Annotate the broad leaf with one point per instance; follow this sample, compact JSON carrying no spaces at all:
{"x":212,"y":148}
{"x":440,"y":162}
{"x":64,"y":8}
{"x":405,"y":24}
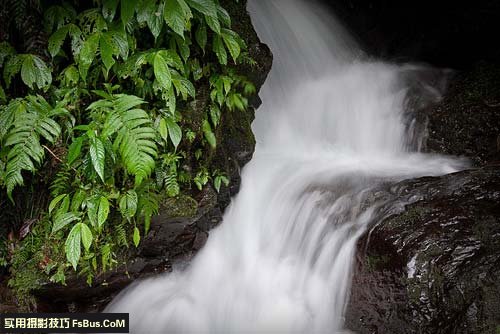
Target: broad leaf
{"x":137,"y":236}
{"x":35,"y":71}
{"x":174,"y":131}
{"x":88,"y":53}
{"x":56,"y":201}
{"x":213,"y":23}
{"x":97,"y":156}
{"x":127,"y":10}
{"x":162,"y":72}
{"x":75,"y":149}
{"x":207,"y":7}
{"x":128,"y":204}
{"x":86,"y":235}
{"x":215,"y":114}
{"x":231,"y":42}
{"x":73,"y":245}
{"x":109,"y":9}
{"x":176,"y":14}
{"x":62,"y":220}
{"x":103,"y":212}
{"x":163,"y":130}
{"x":201,"y":36}
{"x":56,"y":40}
{"x":220,"y":51}
{"x":209,"y":135}
{"x":107,"y":49}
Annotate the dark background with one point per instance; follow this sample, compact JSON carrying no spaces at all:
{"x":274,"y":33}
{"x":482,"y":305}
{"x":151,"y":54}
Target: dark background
{"x":451,"y":34}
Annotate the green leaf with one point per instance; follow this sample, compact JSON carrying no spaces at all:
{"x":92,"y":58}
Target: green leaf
{"x":176,"y":14}
{"x":220,"y":51}
{"x":215,"y":114}
{"x":92,"y":204}
{"x":109,"y":9}
{"x":201,"y":36}
{"x":56,"y":40}
{"x":224,"y":16}
{"x":78,"y":197}
{"x":231,"y":42}
{"x":75,"y":149}
{"x":108,"y":49}
{"x":73,"y":245}
{"x":120,"y":43}
{"x":128,"y":204}
{"x":213,"y":23}
{"x":174,"y":131}
{"x":183,"y":46}
{"x":219,"y":180}
{"x":163,"y":130}
{"x":209,"y":135}
{"x":88,"y":53}
{"x":206,"y":7}
{"x":12,"y":67}
{"x":137,"y":236}
{"x":55,"y":201}
{"x":86,"y":236}
{"x":217,"y":183}
{"x":184,"y":86}
{"x":161,"y":71}
{"x":127,"y":10}
{"x":103,"y":212}
{"x":62,"y":220}
{"x":155,"y":21}
{"x":97,"y":156}
{"x":35,"y":71}
{"x":71,"y":75}
{"x":135,"y":134}
{"x":6,"y":51}
{"x":3,"y":97}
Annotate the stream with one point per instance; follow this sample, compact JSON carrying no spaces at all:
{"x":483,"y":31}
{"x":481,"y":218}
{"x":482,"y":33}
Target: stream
{"x":334,"y":124}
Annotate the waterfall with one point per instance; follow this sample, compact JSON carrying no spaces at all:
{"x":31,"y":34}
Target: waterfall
{"x":333,"y":125}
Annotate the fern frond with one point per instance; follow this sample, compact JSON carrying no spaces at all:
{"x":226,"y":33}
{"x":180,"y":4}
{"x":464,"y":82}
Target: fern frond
{"x":31,"y":122}
{"x":121,"y":235}
{"x":135,"y":135}
{"x":62,"y":182}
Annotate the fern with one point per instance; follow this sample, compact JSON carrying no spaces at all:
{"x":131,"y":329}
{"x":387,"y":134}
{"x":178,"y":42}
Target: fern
{"x":62,"y":182}
{"x":133,"y":131}
{"x":34,"y":119}
{"x":121,"y":234}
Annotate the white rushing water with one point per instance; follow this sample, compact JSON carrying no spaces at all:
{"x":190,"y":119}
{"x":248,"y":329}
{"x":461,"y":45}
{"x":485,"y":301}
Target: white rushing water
{"x":332,"y":126}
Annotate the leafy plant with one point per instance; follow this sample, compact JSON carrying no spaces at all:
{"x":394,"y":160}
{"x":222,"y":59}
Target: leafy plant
{"x":100,"y":115}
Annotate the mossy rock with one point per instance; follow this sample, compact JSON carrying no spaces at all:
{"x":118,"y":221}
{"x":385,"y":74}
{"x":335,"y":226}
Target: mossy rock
{"x":182,"y":206}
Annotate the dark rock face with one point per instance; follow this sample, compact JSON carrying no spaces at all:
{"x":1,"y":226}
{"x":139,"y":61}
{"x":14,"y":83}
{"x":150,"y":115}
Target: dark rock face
{"x":467,"y":120}
{"x":183,"y":224}
{"x":432,"y":265}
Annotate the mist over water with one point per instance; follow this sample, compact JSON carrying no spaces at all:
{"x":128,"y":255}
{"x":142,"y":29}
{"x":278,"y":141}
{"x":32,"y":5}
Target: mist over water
{"x":333,"y":125}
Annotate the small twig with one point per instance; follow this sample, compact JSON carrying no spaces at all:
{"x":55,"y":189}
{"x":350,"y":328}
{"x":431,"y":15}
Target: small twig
{"x":56,"y":157}
{"x":52,"y":154}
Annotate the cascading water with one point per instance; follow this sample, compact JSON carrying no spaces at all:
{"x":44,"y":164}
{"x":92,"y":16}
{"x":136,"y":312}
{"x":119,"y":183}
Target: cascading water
{"x":331,"y":128}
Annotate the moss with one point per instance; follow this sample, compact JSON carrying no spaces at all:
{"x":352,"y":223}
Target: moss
{"x":412,"y":214}
{"x":377,"y":262}
{"x":182,"y":206}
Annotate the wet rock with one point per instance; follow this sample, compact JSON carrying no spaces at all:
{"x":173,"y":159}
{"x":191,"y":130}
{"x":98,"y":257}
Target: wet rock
{"x":431,"y":263}
{"x":467,"y":121}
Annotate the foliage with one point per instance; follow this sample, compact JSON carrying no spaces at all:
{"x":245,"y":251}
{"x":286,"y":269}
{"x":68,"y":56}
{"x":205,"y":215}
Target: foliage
{"x":100,"y":115}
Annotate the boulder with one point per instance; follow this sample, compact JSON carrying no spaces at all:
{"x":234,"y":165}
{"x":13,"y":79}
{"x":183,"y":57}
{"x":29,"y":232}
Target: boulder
{"x":431,"y":263}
